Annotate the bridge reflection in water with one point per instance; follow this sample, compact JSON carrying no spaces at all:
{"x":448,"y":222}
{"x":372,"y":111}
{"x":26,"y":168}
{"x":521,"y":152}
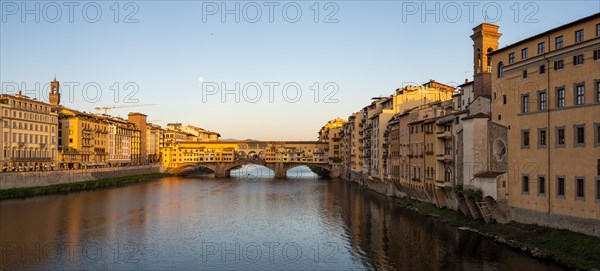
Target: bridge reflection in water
{"x":222,"y":157}
{"x":256,"y":172}
{"x":169,"y":224}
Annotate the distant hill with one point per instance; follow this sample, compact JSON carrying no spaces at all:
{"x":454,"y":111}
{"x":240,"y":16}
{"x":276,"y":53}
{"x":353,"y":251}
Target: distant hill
{"x":233,"y":139}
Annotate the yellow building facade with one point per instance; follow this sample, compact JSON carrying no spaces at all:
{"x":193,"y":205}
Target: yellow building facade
{"x":178,"y":154}
{"x":546,"y":90}
{"x":82,"y":139}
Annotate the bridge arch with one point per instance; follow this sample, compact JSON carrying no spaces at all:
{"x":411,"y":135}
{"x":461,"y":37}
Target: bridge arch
{"x":325,"y":170}
{"x":223,"y":169}
{"x":187,"y":168}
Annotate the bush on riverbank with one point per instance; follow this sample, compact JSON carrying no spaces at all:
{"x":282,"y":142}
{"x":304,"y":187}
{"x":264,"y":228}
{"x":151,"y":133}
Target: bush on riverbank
{"x":77,"y":186}
{"x":574,"y":250}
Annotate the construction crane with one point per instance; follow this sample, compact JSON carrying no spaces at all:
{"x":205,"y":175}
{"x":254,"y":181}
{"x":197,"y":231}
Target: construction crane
{"x":106,"y":108}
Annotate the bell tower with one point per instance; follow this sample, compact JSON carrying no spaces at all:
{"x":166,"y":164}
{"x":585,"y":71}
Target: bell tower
{"x":485,"y":40}
{"x":54,"y":92}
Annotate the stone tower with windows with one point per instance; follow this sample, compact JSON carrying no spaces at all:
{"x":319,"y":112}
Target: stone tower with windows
{"x":54,"y":92}
{"x":485,"y":40}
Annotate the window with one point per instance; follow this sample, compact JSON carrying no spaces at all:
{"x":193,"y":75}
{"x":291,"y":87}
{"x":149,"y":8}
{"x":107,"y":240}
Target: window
{"x":578,"y":59}
{"x":525,"y":138}
{"x":597,"y":189}
{"x":542,"y":69}
{"x":541,"y":185}
{"x":598,"y":91}
{"x":597,"y":54}
{"x":542,"y":100}
{"x":560,"y":186}
{"x":579,"y":94}
{"x":524,"y":53}
{"x":558,"y":42}
{"x":579,"y":35}
{"x":525,"y":103}
{"x":597,"y":140}
{"x":541,"y":48}
{"x":598,"y":30}
{"x":542,"y":137}
{"x":525,"y":74}
{"x":559,"y":65}
{"x":511,"y":58}
{"x":504,"y":98}
{"x":579,"y":187}
{"x":525,"y":184}
{"x":579,"y":135}
{"x":560,"y":136}
{"x":560,"y":97}
{"x":500,"y":70}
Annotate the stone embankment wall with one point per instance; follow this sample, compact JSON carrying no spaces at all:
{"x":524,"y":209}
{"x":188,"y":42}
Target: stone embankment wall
{"x":35,"y":179}
{"x":576,"y":224}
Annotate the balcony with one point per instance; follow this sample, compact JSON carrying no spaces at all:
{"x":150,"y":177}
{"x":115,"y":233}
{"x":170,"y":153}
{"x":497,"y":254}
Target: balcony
{"x":444,"y":134}
{"x":443,"y":184}
{"x":444,"y":157}
{"x":25,"y":159}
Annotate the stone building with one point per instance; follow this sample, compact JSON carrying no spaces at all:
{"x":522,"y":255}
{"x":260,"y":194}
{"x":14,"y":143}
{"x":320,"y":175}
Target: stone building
{"x":195,"y":133}
{"x":154,"y":134}
{"x":28,"y":129}
{"x":547,"y":93}
{"x":332,"y":133}
{"x":121,"y":135}
{"x":171,"y":136}
{"x":139,"y":121}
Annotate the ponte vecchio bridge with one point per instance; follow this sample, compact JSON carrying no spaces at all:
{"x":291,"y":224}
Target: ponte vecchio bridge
{"x":223,"y":156}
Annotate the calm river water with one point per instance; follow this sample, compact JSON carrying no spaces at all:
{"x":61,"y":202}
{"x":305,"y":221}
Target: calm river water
{"x":239,"y":223}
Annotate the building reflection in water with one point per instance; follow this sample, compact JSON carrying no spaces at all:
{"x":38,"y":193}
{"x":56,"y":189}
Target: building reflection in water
{"x":166,"y":223}
{"x":386,"y":236}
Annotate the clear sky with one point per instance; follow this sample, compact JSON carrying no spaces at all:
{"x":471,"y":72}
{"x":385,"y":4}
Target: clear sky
{"x":182,"y":56}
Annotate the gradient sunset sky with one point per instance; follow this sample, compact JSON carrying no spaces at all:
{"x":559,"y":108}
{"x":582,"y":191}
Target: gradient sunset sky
{"x":173,"y":55}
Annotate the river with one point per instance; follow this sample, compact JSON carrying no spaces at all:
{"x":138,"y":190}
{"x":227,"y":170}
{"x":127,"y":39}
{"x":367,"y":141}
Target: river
{"x":245,"y":222}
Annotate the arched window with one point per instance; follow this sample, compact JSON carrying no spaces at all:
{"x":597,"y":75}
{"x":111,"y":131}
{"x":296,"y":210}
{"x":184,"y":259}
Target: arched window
{"x":489,"y":58}
{"x":478,"y":57}
{"x":500,"y":69}
{"x":499,"y":149}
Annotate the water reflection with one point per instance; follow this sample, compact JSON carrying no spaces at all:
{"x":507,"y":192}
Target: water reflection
{"x":191,"y":223}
